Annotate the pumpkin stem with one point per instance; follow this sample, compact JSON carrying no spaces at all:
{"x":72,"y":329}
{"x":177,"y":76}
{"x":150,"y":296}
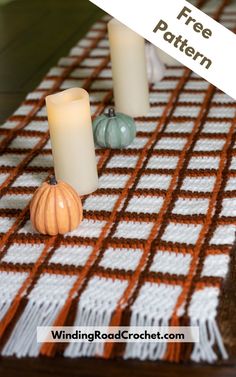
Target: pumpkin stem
{"x":111,"y":112}
{"x":52,"y":181}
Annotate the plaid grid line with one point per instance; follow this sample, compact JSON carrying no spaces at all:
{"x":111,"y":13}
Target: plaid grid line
{"x":154,"y":244}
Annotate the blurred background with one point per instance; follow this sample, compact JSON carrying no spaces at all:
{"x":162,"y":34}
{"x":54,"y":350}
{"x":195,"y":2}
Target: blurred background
{"x":34,"y":34}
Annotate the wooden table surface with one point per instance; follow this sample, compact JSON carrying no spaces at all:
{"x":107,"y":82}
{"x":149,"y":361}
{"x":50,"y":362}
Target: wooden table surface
{"x":34,"y":34}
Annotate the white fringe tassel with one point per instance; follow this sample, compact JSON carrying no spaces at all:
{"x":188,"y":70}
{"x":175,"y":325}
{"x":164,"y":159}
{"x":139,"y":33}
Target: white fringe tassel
{"x":23,"y":340}
{"x":210,"y":337}
{"x":89,"y":317}
{"x":146,"y":351}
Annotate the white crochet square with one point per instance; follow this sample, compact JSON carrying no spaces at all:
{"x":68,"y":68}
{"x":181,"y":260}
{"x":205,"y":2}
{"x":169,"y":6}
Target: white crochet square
{"x":71,"y":255}
{"x":23,"y":253}
{"x":224,"y":235}
{"x":3,"y":177}
{"x":169,"y":143}
{"x":144,"y":126}
{"x":21,"y":142}
{"x":229,"y":207}
{"x":81,"y":72}
{"x":204,"y":303}
{"x":166,"y":85}
{"x":66,"y":61}
{"x":204,"y":163}
{"x":198,"y":184}
{"x":106,"y":72}
{"x":88,"y":62}
{"x":99,"y":52}
{"x":100,"y":203}
{"x":191,"y":206}
{"x":42,"y":160}
{"x":156,"y":301}
{"x":23,"y":110}
{"x":216,"y":265}
{"x":145,"y":204}
{"x":42,"y":112}
{"x":216,"y":127}
{"x":10,"y":283}
{"x":102,"y":84}
{"x":222,"y":112}
{"x":6,"y":223}
{"x":93,"y":34}
{"x":77,"y":51}
{"x":11,"y":159}
{"x":97,"y":96}
{"x":102,"y":295}
{"x":56,"y":71}
{"x":138,"y":143}
{"x":154,"y":181}
{"x":15,"y":201}
{"x":88,"y":228}
{"x":191,"y":97}
{"x":180,"y":127}
{"x":9,"y":124}
{"x":52,"y":288}
{"x":122,"y":259}
{"x":122,"y":162}
{"x":222,"y":97}
{"x":171,"y":263}
{"x":85,"y":43}
{"x":209,"y":145}
{"x":231,"y":184}
{"x":104,"y":44}
{"x":233,"y":164}
{"x":185,"y":111}
{"x":156,"y":111}
{"x":182,"y":233}
{"x":37,"y":125}
{"x":70,"y":83}
{"x":30,"y":179}
{"x":160,"y":97}
{"x":113,"y":180}
{"x":196,"y":85}
{"x":46,"y":84}
{"x":131,"y":229}
{"x":163,"y":162}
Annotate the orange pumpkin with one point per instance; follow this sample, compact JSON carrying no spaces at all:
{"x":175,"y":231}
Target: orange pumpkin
{"x":55,"y":208}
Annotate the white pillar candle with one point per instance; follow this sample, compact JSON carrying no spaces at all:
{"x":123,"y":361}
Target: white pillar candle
{"x":155,"y":67}
{"x":166,"y":58}
{"x":72,"y":142}
{"x":129,"y":70}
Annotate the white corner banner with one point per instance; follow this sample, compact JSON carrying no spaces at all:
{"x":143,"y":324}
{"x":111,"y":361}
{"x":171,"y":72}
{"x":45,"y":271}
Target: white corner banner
{"x":185,"y":33}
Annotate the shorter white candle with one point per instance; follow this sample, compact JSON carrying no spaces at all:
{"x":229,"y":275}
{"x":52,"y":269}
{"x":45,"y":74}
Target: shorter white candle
{"x":166,"y":58}
{"x":155,"y":67}
{"x":129,"y":70}
{"x":72,"y":142}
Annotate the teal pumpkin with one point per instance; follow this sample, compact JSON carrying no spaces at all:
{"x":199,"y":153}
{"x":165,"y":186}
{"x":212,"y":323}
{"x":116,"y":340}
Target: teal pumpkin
{"x":114,"y":130}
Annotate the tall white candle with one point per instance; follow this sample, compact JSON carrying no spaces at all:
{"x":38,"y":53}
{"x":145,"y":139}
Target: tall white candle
{"x":129,"y":70}
{"x":72,"y":142}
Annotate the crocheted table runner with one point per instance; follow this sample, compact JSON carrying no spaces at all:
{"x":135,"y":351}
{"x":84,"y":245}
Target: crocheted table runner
{"x":154,"y":246}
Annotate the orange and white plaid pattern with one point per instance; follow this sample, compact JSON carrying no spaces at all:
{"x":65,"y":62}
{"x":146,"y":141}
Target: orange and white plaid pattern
{"x":154,"y":245}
